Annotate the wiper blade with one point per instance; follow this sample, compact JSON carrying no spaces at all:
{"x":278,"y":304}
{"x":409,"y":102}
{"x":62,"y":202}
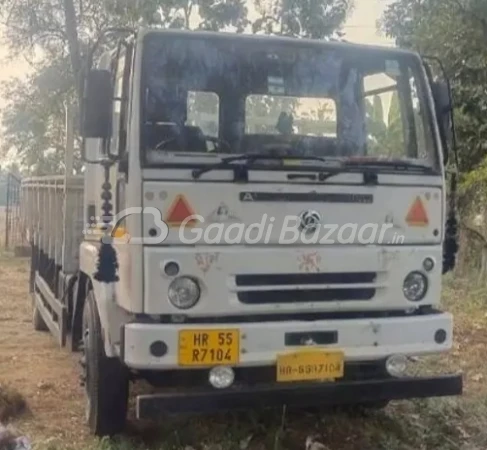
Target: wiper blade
{"x":249,"y":159}
{"x":395,"y":165}
{"x":324,"y":172}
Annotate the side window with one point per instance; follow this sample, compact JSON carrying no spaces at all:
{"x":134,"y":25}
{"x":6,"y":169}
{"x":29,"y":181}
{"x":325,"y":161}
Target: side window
{"x":203,"y":111}
{"x":420,"y":119}
{"x":396,"y":125}
{"x":383,"y":118}
{"x":121,"y":75}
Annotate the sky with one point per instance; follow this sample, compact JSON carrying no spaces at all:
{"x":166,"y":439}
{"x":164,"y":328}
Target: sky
{"x":361,"y":26}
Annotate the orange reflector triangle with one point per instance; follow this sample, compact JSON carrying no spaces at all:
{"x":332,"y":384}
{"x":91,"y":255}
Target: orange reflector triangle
{"x":417,"y":216}
{"x":179,"y":211}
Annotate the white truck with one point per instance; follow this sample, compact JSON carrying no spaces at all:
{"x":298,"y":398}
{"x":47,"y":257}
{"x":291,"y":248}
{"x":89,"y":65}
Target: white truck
{"x":300,"y":264}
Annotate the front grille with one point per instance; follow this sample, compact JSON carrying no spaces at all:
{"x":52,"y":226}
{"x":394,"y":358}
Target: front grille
{"x":299,"y":296}
{"x":353,"y":287}
{"x":305,"y":278}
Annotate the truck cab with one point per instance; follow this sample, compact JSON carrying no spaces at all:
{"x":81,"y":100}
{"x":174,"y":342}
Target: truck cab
{"x":264,"y":225}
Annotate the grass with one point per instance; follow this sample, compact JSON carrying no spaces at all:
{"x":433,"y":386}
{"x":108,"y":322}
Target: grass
{"x":429,"y":424}
{"x":433,"y":424}
{"x":439,"y":424}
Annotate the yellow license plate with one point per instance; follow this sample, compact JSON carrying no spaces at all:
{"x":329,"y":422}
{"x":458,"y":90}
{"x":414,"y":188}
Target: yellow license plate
{"x":209,"y":347}
{"x":309,"y":365}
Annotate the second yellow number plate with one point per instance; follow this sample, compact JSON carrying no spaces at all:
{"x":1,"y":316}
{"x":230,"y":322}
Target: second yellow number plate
{"x":209,"y":347}
{"x":310,"y":365}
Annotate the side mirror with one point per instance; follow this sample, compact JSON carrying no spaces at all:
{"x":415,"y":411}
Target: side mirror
{"x":444,"y":114}
{"x":442,"y":95}
{"x":97,"y":105}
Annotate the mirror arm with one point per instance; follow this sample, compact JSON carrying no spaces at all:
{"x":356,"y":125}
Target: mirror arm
{"x":105,"y":33}
{"x":123,"y":164}
{"x":102,"y":161}
{"x":108,"y":159}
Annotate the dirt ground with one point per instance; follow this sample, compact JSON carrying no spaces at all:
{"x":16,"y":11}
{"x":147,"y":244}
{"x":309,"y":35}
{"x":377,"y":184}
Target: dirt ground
{"x":47,"y":378}
{"x":33,"y":364}
{"x":2,"y":225}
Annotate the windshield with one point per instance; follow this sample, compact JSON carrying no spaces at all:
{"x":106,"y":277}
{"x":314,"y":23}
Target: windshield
{"x":237,"y":95}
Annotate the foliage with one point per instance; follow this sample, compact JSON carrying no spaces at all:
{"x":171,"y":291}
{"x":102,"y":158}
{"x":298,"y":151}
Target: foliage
{"x":34,"y":119}
{"x":34,"y":123}
{"x":384,"y":138}
{"x":456,"y":32}
{"x":56,"y":35}
{"x":308,"y":18}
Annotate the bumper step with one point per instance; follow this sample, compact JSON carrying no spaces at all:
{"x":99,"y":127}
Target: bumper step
{"x":300,"y":395}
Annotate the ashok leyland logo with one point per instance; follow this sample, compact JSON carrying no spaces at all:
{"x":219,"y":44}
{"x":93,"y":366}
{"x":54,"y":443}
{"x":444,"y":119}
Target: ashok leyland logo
{"x":309,"y":221}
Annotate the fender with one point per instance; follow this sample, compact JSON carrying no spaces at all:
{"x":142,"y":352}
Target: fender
{"x":112,"y":317}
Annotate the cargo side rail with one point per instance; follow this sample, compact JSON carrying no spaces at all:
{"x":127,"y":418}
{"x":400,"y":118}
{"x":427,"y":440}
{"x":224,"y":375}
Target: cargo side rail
{"x":52,"y":214}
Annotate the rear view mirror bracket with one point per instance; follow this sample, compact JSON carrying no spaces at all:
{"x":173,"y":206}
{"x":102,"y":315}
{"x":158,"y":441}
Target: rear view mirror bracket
{"x":97,"y":101}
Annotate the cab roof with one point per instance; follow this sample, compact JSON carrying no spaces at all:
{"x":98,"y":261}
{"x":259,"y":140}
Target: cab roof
{"x":341,"y":46}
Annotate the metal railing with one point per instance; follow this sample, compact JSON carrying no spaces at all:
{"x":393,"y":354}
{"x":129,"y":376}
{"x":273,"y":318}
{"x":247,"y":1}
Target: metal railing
{"x":52,"y":211}
{"x":14,"y":232}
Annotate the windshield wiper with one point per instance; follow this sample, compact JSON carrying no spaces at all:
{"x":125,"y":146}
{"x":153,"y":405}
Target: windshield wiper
{"x":394,"y":165}
{"x":248,"y":159}
{"x":324,"y":172}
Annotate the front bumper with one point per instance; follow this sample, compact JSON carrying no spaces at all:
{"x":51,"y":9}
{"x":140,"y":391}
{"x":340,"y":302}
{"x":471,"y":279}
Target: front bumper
{"x":300,"y":395}
{"x":260,"y":342}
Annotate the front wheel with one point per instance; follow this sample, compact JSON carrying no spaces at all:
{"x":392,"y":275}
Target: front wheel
{"x":106,"y":379}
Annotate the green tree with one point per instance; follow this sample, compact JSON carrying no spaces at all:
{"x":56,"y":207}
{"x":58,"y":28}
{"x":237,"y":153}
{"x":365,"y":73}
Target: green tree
{"x":301,"y":18}
{"x":456,"y":32}
{"x":56,"y":37}
{"x":385,"y":139}
{"x":34,"y":120}
{"x":394,"y":141}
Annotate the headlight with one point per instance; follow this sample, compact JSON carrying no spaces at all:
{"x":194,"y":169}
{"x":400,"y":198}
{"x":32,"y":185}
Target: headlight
{"x":415,"y":286}
{"x":184,"y":292}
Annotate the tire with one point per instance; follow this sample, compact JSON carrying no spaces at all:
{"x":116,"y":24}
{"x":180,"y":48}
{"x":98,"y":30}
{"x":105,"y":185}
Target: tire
{"x":106,"y":379}
{"x":37,"y":320}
